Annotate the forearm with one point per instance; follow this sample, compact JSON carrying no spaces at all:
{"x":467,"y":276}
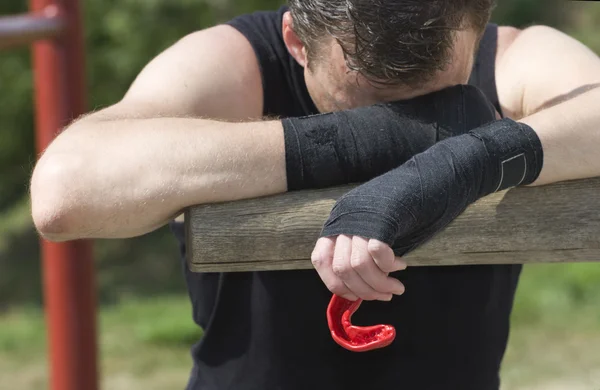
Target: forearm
{"x":126,"y":177}
{"x":570,"y":135}
{"x":134,"y":174}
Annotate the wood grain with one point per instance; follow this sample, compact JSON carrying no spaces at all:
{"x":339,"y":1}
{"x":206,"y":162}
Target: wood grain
{"x":553,"y":223}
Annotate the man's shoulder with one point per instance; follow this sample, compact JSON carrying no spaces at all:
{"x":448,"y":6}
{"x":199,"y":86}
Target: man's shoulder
{"x":534,"y":36}
{"x":539,"y":63}
{"x":506,"y":36}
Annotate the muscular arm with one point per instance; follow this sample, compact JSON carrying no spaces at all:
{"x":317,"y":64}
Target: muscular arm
{"x":128,"y":169}
{"x":552,"y":83}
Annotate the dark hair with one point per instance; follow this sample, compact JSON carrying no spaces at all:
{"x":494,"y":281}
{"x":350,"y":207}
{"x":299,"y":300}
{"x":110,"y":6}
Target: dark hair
{"x":389,"y":41}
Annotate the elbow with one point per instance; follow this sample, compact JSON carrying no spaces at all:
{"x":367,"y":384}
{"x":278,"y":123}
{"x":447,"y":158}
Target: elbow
{"x":54,"y":199}
{"x":52,"y":227}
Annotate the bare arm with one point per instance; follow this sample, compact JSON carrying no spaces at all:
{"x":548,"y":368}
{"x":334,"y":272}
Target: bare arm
{"x":128,"y":169}
{"x":552,"y":83}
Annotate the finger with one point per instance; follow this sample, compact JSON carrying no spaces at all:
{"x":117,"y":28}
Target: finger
{"x":322,"y":258}
{"x":343,"y":269}
{"x":384,"y":257}
{"x":399,"y":264}
{"x":370,"y":273}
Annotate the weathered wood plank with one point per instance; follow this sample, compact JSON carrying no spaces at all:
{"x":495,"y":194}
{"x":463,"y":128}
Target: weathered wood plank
{"x":554,"y":223}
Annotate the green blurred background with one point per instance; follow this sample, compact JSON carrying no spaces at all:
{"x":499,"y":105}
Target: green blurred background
{"x":145,"y":318}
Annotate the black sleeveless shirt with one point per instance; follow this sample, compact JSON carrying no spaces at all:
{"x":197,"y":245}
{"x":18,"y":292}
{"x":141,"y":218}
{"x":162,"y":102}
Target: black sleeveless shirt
{"x":268,"y":331}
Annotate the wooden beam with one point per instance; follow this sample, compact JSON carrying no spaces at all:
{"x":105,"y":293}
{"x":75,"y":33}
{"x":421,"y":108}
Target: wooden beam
{"x":553,"y":223}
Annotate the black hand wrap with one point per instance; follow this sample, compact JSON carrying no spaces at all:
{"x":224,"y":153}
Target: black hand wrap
{"x":411,"y":203}
{"x":357,"y":145}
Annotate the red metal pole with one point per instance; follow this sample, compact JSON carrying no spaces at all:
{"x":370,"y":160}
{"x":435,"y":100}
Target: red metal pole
{"x":69,"y":288}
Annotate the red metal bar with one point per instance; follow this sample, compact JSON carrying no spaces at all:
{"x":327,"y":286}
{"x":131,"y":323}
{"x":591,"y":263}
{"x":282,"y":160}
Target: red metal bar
{"x":69,"y":287}
{"x":25,"y":29}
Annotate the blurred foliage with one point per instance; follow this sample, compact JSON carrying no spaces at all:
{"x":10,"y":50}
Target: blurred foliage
{"x":121,"y":37}
{"x":523,"y":13}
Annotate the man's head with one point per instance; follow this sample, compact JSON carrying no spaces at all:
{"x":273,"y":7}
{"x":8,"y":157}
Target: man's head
{"x":358,"y":52}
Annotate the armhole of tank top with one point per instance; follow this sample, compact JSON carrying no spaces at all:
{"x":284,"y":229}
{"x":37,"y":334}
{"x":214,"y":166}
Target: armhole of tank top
{"x":485,"y":65}
{"x":260,"y":29}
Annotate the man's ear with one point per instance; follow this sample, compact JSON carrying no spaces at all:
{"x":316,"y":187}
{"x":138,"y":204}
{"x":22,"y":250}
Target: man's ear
{"x":292,"y":42}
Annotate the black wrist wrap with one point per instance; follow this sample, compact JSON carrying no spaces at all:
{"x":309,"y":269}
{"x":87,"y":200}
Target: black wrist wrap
{"x":408,"y":205}
{"x":357,"y":145}
{"x":515,"y":154}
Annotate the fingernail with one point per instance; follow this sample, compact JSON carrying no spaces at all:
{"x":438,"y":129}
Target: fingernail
{"x":400,"y":264}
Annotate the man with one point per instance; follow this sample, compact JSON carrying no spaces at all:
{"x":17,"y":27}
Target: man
{"x":139,"y":162}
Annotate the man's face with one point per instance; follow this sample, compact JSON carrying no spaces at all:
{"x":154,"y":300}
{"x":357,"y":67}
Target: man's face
{"x":334,"y":87}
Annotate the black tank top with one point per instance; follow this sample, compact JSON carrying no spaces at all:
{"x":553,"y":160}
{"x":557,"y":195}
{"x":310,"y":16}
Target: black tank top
{"x":268,"y":331}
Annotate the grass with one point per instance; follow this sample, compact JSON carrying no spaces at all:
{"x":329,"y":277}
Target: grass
{"x":557,"y":294}
{"x":144,"y":343}
{"x":555,"y":337}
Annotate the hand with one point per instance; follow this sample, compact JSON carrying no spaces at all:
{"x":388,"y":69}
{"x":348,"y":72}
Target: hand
{"x":354,"y":267}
